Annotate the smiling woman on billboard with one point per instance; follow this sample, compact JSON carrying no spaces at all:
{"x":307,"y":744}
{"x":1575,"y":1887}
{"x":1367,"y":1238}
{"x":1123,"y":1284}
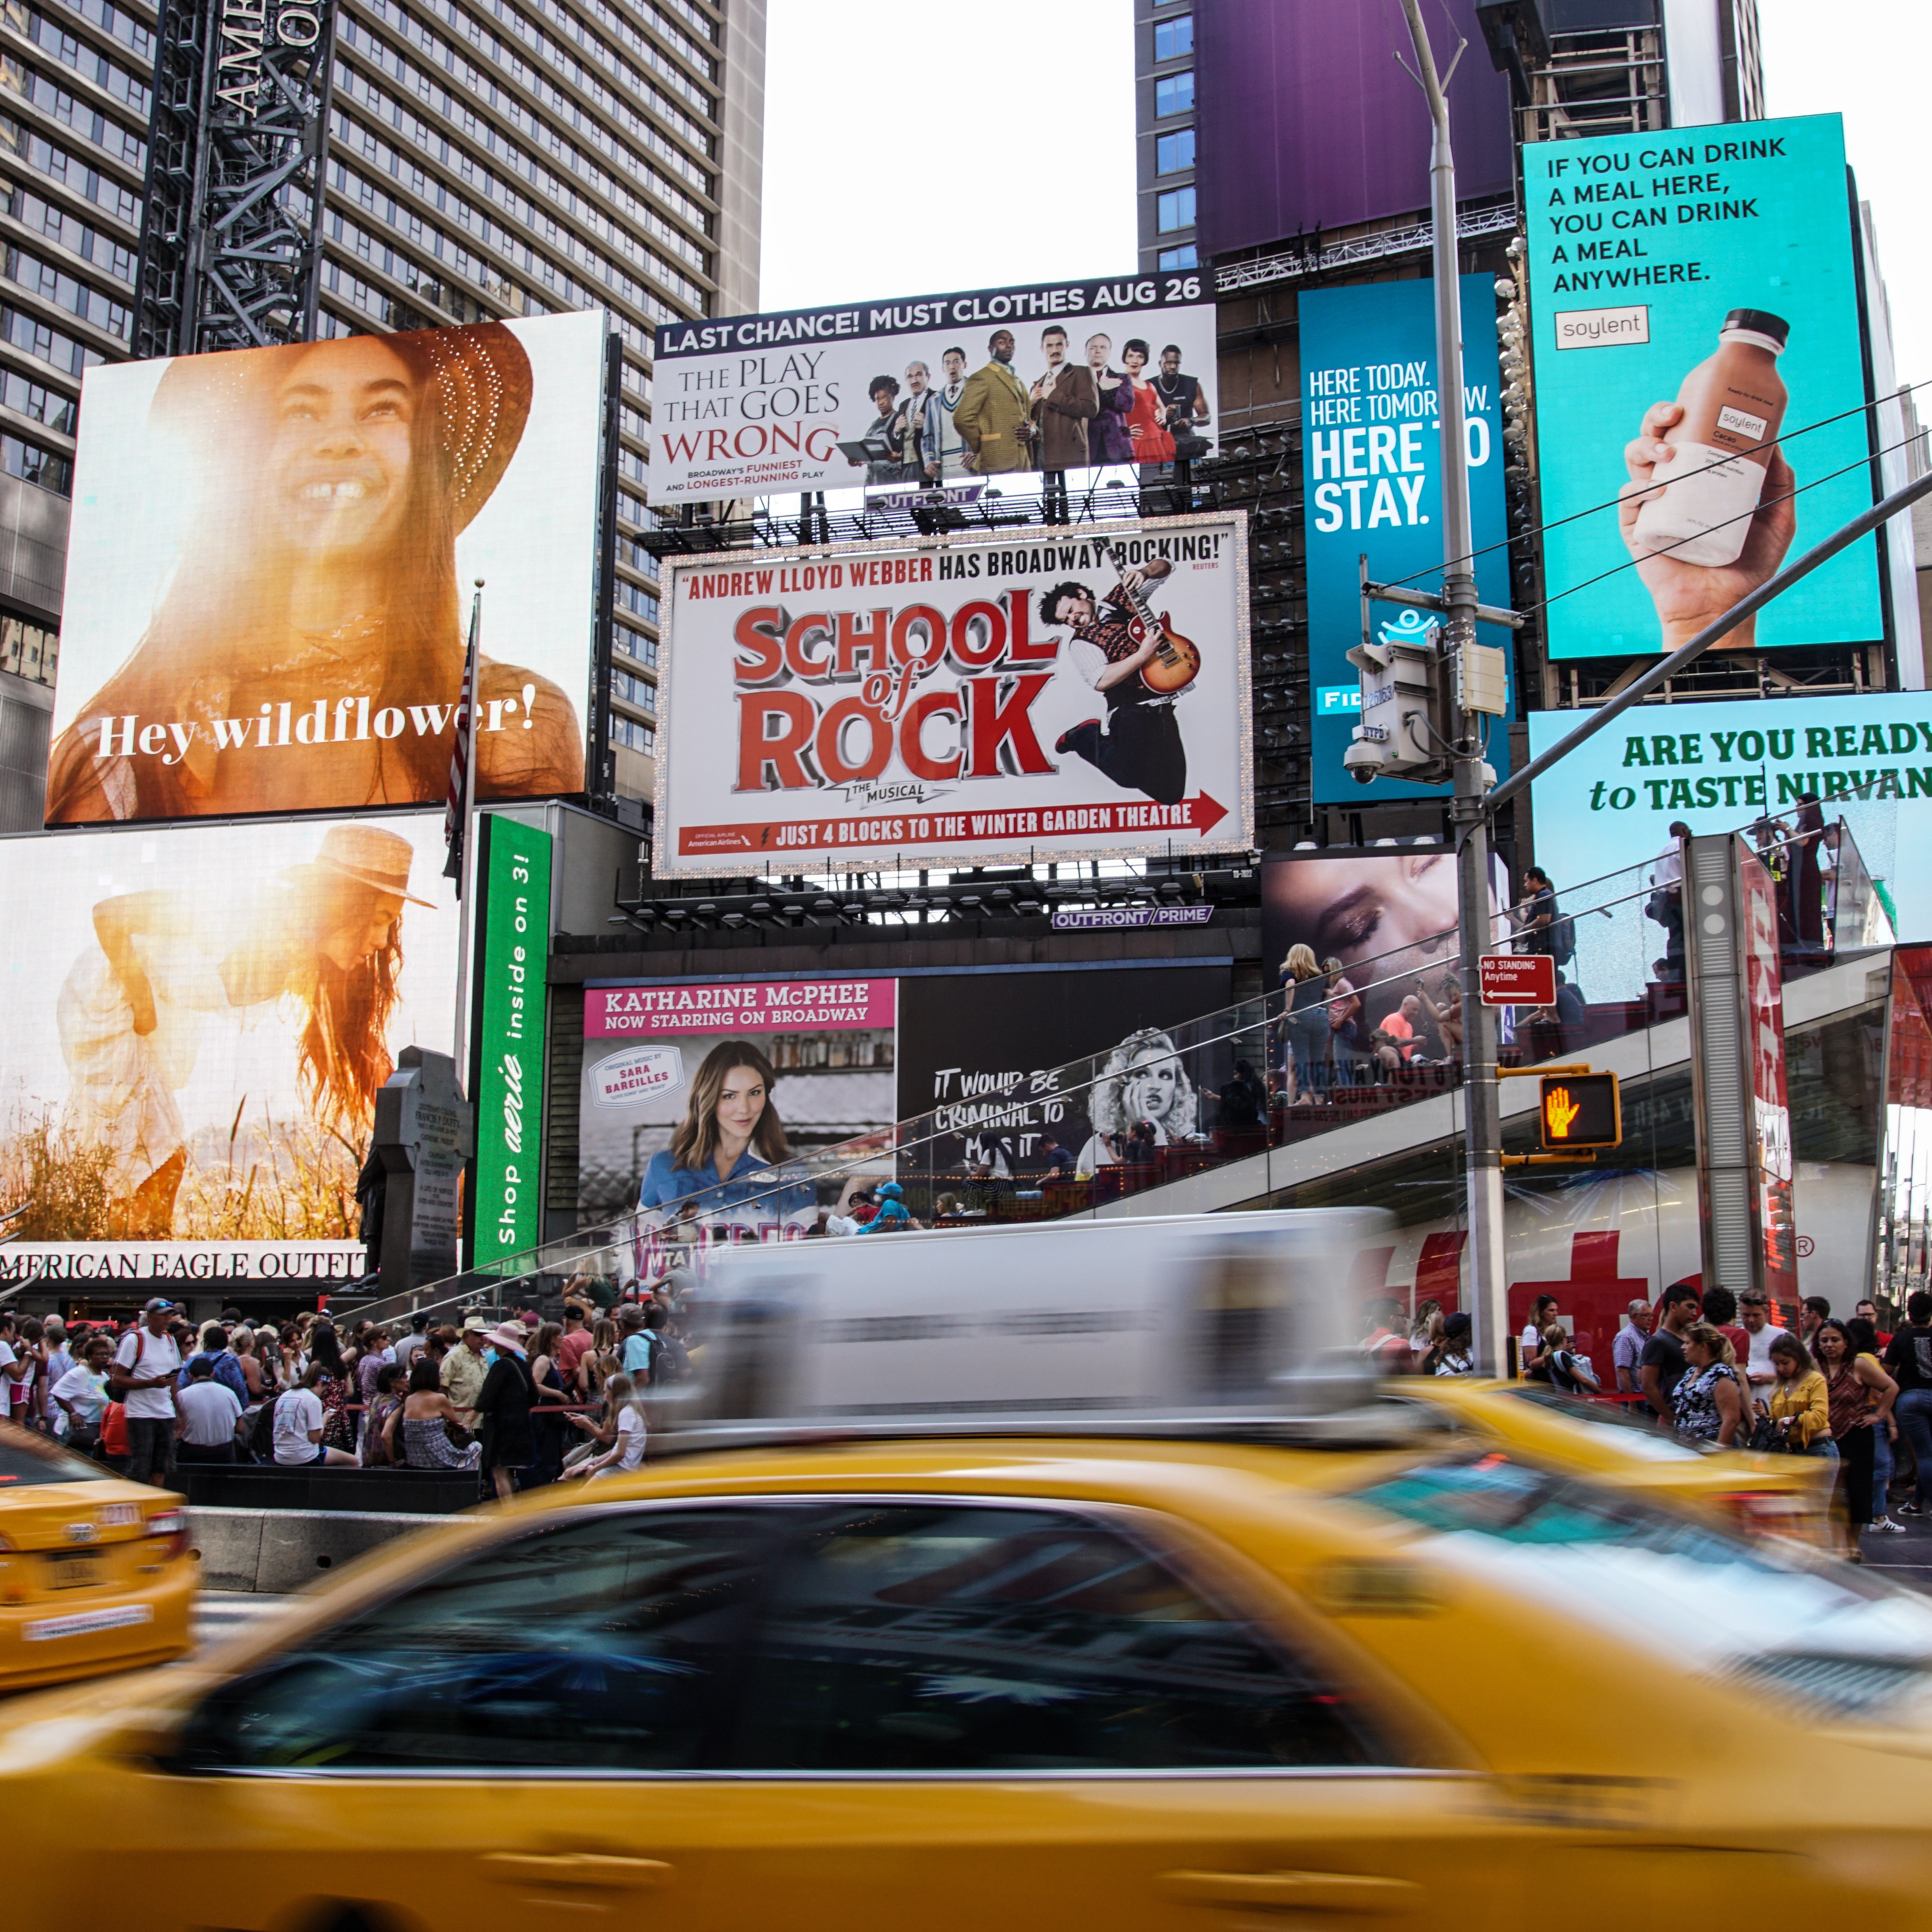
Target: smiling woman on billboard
{"x":306,"y":646}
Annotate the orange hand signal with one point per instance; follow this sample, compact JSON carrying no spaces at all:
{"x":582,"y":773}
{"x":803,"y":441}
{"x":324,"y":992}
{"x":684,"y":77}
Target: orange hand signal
{"x":1560,"y":1110}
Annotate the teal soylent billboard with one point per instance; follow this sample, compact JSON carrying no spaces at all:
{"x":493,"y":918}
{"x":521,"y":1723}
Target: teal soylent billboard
{"x":1707,"y":273}
{"x":512,"y":961}
{"x":1372,"y":480}
{"x":1719,"y":766}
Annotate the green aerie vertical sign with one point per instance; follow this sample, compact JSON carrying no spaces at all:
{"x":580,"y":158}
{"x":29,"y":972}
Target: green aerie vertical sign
{"x":512,"y":958}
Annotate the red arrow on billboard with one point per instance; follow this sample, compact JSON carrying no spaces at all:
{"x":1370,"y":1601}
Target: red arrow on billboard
{"x":1206,"y":812}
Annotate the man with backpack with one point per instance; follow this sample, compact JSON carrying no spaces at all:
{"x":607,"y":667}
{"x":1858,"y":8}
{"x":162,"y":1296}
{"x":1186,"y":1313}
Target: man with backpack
{"x":146,"y":1367}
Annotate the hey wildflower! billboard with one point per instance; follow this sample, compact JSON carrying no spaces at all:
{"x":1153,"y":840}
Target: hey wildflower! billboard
{"x":270,"y":572}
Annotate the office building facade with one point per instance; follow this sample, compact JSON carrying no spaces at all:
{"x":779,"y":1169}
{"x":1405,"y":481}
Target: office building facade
{"x":1164,"y":134}
{"x":488,"y":158}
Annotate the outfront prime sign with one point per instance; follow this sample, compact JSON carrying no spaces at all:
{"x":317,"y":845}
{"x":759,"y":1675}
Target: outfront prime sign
{"x":1075,"y":693}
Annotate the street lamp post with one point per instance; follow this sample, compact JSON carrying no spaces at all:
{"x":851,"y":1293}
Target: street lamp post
{"x":1469,"y":810}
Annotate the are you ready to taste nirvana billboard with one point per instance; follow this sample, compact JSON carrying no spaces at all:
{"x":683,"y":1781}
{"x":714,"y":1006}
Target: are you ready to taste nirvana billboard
{"x":1720,"y":767}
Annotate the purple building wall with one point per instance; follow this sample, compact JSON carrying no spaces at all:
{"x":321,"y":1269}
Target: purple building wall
{"x":1306,"y":120}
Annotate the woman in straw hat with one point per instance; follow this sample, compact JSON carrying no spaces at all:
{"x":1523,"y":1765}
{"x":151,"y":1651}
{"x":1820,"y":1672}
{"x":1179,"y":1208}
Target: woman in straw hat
{"x":309,"y":645}
{"x":326,"y":937}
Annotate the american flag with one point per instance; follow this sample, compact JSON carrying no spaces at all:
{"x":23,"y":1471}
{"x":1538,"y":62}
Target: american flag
{"x":454,"y":818}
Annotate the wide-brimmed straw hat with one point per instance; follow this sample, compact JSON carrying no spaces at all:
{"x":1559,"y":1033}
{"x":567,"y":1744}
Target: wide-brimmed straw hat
{"x":368,"y":855}
{"x":480,"y":374}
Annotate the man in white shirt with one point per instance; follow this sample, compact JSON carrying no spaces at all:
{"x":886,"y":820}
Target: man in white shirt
{"x":1666,"y":904}
{"x":209,"y":1412}
{"x":951,"y":447}
{"x":146,"y":1366}
{"x":298,"y":1422}
{"x":81,"y":1394}
{"x":1754,"y":1312}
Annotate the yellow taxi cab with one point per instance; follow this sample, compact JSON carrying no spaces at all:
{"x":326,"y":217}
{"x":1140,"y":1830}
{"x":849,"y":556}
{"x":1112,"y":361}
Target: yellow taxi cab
{"x":1158,"y":1682}
{"x":1766,"y":1495}
{"x":94,"y":1571}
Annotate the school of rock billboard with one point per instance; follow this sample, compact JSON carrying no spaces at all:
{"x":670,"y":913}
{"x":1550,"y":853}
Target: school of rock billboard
{"x":1060,"y":694}
{"x":193,"y":1026}
{"x":932,"y":389}
{"x":269,"y":575}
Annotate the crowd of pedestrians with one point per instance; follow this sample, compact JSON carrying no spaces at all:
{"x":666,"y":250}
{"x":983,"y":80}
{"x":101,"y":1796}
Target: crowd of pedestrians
{"x":520,"y":1401}
{"x":1709,"y":1367}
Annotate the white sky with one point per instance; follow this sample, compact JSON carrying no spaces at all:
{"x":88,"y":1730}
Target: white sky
{"x":1868,"y":60}
{"x":909,"y":152}
{"x":1031,"y":176}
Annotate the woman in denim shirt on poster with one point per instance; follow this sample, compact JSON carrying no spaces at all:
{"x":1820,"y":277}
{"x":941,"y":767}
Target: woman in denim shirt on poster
{"x":718,"y":1168}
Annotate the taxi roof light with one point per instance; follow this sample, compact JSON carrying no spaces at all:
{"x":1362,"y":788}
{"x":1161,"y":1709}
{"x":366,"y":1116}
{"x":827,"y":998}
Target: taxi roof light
{"x":1173,"y":1326}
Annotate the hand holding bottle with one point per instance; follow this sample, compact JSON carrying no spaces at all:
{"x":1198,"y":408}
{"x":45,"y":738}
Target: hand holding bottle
{"x":1689,"y":595}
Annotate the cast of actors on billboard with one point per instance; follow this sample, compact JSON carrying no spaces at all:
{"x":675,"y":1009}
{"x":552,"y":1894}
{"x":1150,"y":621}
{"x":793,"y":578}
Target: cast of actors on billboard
{"x":754,"y":405}
{"x":305,"y":644}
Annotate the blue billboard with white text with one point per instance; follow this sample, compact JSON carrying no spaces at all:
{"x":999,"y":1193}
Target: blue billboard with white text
{"x":1372,"y":480}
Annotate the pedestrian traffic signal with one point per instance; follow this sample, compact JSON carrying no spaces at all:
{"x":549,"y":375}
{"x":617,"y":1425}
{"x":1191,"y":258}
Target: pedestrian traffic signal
{"x":1581,"y":1110}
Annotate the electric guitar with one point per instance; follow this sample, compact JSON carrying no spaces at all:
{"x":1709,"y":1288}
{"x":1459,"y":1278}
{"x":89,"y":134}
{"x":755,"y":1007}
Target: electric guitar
{"x":1176,"y":662}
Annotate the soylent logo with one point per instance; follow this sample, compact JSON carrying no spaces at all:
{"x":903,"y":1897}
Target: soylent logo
{"x":1602,"y":328}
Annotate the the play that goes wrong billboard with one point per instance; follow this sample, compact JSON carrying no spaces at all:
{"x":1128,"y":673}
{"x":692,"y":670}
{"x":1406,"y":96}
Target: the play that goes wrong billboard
{"x":270,"y":574}
{"x":1075,"y":693}
{"x":1700,"y":384}
{"x":1065,"y":375}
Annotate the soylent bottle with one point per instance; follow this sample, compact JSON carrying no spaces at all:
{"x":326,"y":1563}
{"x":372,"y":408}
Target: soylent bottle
{"x":1733,"y":407}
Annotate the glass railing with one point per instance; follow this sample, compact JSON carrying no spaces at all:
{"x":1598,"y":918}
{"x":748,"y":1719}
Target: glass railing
{"x":1368,"y":1036}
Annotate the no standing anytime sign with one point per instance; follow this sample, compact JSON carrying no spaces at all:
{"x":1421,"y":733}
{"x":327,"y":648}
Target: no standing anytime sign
{"x":956,"y":701}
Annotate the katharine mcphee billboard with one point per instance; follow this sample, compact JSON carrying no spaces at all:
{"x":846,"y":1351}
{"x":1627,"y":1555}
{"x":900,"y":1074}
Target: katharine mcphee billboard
{"x":1074,"y":693}
{"x":270,"y":567}
{"x":194,"y":1024}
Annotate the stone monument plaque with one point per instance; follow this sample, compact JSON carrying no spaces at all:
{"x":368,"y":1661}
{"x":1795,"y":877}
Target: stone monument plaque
{"x":425,"y":1131}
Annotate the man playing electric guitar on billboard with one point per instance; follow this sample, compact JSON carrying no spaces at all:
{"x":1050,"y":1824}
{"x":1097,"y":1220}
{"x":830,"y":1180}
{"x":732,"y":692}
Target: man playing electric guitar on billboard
{"x":1130,"y":657}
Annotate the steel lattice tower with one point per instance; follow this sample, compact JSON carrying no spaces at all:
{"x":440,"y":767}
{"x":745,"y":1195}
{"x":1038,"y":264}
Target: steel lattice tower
{"x":231,"y":228}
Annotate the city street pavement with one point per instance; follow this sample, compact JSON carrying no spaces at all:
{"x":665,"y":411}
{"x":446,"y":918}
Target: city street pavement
{"x":1907,"y":1558}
